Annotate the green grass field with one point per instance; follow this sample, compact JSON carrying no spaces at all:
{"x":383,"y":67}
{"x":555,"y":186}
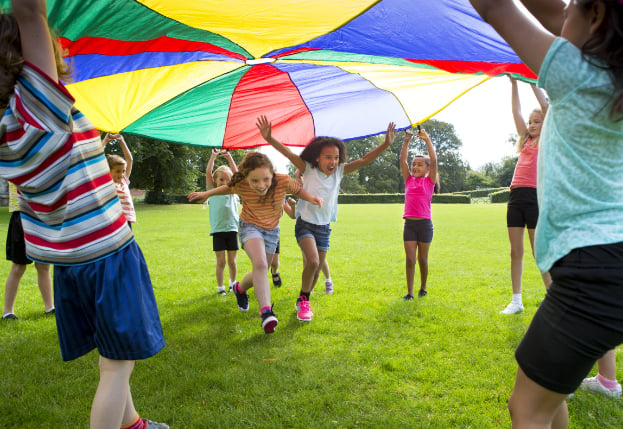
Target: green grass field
{"x":367,"y":359}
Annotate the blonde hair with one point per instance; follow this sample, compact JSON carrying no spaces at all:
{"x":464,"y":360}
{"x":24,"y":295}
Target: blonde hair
{"x":12,"y":61}
{"x":114,"y":160}
{"x":222,"y":169}
{"x":523,"y":139}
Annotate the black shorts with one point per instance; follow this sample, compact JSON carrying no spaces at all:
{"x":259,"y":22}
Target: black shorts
{"x":15,"y":244}
{"x":580,"y":319}
{"x":523,"y":208}
{"x":225,"y":241}
{"x":277,"y":249}
{"x":418,"y":230}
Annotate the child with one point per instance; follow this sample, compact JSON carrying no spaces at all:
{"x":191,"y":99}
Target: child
{"x":418,"y":227}
{"x":262,"y":192}
{"x":72,"y":217}
{"x":322,"y":164}
{"x":523,"y":209}
{"x":16,"y":253}
{"x":223,"y":220}
{"x":120,"y":170}
{"x":579,"y":235}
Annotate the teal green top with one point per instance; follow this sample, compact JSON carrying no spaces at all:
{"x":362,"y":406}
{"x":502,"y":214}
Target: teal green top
{"x":223,"y":213}
{"x":580,"y":166}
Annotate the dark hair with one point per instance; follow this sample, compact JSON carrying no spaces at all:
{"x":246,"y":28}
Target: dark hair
{"x":606,"y":45}
{"x":426,"y":158}
{"x":311,"y":153}
{"x":12,"y":61}
{"x":250,"y":162}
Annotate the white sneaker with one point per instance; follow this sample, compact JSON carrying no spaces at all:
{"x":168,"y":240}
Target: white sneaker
{"x":512,"y":308}
{"x":593,"y":385}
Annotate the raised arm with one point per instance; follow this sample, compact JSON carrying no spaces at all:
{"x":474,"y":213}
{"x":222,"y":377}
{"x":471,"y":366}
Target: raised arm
{"x":520,"y":123}
{"x":127,"y":155}
{"x":230,"y":160}
{"x":202,"y":196}
{"x":404,"y":156}
{"x":432,"y":172}
{"x":390,"y":135}
{"x":265,"y":128}
{"x":31,"y":16}
{"x":541,"y":98}
{"x":550,"y":13}
{"x":210,"y":168}
{"x":525,"y":36}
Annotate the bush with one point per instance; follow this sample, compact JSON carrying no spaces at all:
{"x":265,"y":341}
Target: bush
{"x":153,"y":197}
{"x":398,"y":199}
{"x":500,"y":196}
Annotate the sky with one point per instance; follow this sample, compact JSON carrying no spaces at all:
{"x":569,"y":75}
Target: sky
{"x":482,"y":119}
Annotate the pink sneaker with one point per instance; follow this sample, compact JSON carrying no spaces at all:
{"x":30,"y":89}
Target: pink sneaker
{"x":303,"y":309}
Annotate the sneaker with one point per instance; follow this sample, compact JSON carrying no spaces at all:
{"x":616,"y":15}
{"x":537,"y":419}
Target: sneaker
{"x":50,"y":311}
{"x":407,"y":297}
{"x":231,"y":287}
{"x":242,"y":299}
{"x":593,"y":385}
{"x":422,"y":293}
{"x":269,"y":321}
{"x":303,"y":309}
{"x":221,"y":291}
{"x":9,"y":316}
{"x":328,"y":287}
{"x":154,"y":425}
{"x":512,"y":308}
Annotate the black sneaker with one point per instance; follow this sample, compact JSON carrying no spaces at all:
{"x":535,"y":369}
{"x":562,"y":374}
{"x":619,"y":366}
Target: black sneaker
{"x":422,"y":293}
{"x":407,"y":297}
{"x":241,"y":298}
{"x":269,"y":321}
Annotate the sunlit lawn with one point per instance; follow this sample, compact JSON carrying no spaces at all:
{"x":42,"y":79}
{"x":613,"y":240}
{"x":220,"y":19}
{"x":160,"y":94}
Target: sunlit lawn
{"x":366,"y":360}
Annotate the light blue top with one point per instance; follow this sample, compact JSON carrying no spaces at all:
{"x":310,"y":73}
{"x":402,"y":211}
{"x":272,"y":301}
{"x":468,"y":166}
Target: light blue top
{"x":223,"y":213}
{"x":327,"y":187}
{"x":580,"y":166}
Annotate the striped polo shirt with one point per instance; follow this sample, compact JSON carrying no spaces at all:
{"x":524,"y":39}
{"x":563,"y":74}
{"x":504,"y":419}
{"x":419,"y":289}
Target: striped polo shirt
{"x":266,"y":212}
{"x":70,"y":211}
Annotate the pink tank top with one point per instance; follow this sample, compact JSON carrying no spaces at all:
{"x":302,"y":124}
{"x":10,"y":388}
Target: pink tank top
{"x":525,"y":170}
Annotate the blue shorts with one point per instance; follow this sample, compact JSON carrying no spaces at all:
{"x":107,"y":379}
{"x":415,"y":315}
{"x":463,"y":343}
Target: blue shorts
{"x":109,"y":305}
{"x":247,"y":231}
{"x":320,"y":233}
{"x":418,"y":230}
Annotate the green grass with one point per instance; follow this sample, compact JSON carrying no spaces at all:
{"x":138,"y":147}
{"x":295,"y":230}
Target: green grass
{"x":367,"y":359}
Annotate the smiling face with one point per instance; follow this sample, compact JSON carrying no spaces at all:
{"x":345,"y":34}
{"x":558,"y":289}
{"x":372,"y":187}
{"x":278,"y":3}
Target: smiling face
{"x":117,"y":172}
{"x":329,"y":159}
{"x":535,"y":122}
{"x":419,"y":168}
{"x":222,"y":178}
{"x":260,"y":179}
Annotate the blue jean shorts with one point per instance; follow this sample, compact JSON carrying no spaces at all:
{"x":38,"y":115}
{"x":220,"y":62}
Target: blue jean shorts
{"x":247,"y":231}
{"x":320,"y":233}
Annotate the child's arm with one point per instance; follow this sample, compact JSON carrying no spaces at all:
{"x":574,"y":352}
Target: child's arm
{"x":265,"y":128}
{"x":432,"y":172}
{"x":230,"y":160}
{"x":127,"y":155}
{"x":550,"y":13}
{"x":210,"y":167}
{"x":541,"y":98}
{"x":520,"y":123}
{"x":304,"y":195}
{"x":404,"y":156}
{"x":374,"y":153}
{"x":202,"y":197}
{"x":288,"y":206}
{"x":523,"y":35}
{"x":107,"y":139}
{"x":31,"y":16}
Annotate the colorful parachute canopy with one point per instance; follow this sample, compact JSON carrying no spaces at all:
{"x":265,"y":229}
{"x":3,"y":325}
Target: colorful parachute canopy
{"x":201,"y":72}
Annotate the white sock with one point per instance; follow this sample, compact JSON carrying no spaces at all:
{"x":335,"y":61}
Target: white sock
{"x":232,"y":283}
{"x":516,"y":298}
{"x":328,"y":280}
{"x":220,"y":288}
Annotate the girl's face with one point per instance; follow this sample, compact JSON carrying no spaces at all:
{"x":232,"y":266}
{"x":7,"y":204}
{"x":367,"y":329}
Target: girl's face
{"x":222,"y":178}
{"x":576,"y":27}
{"x":535,"y":122}
{"x":419,"y":167}
{"x":329,"y":159}
{"x":117,"y":172}
{"x":260,"y":179}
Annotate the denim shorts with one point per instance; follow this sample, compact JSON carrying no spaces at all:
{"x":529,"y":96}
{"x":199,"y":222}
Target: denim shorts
{"x":320,"y":233}
{"x":247,"y":231}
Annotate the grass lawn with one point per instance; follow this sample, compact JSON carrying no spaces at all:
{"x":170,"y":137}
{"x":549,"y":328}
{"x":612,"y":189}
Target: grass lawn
{"x":367,"y":359}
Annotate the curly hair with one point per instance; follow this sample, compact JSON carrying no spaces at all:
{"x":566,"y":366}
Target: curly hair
{"x":12,"y":61}
{"x":312,"y":151}
{"x":606,"y":46}
{"x":250,"y":162}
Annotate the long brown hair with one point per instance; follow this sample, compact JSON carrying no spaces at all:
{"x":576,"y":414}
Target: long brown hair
{"x":250,"y":162}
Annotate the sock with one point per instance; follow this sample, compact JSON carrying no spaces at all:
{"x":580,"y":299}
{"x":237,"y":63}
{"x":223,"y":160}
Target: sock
{"x":220,"y":288}
{"x":305,"y":294}
{"x":516,"y":298}
{"x":265,"y":309}
{"x":232,"y":283}
{"x":606,"y":382}
{"x":135,"y":423}
{"x":328,"y":280}
{"x":237,"y":287}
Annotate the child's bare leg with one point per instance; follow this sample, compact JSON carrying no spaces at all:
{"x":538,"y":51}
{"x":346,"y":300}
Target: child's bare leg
{"x":258,"y":278}
{"x":220,"y":267}
{"x":410,"y":258}
{"x":607,"y":365}
{"x":422,"y":259}
{"x":45,"y":284}
{"x":311,"y":263}
{"x":274,"y":264}
{"x":515,"y":236}
{"x":11,"y":287}
{"x":547,"y":279}
{"x":111,"y":398}
{"x":232,"y":264}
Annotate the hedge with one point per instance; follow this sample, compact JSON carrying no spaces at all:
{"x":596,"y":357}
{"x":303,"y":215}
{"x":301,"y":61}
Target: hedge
{"x":500,"y":196}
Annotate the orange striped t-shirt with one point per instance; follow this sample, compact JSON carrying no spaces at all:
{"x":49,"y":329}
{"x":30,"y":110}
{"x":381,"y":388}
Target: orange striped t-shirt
{"x":265,"y":214}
